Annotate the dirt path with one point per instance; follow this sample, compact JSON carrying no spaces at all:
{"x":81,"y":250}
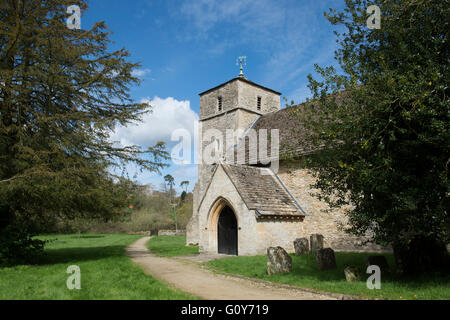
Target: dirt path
{"x":189,"y":277}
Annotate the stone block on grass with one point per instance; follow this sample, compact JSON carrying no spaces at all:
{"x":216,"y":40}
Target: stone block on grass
{"x":301,"y":246}
{"x":325,"y":259}
{"x":278,"y":261}
{"x":316,"y":242}
{"x":352,"y":274}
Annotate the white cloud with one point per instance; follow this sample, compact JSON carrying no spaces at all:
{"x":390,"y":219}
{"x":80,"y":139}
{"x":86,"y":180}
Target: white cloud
{"x":140,"y":72}
{"x":252,"y":18}
{"x":167,"y":115}
{"x":206,"y":13}
{"x":289,"y":35}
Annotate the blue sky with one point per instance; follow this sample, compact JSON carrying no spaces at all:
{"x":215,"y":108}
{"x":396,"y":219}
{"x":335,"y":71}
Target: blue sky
{"x":186,"y":47}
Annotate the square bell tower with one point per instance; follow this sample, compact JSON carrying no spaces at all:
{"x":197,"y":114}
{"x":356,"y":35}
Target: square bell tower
{"x":234,"y":105}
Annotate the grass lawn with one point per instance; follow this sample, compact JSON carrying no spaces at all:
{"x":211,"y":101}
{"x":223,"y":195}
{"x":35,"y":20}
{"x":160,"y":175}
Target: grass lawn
{"x":305,"y":274}
{"x":106,"y":272}
{"x":171,"y":246}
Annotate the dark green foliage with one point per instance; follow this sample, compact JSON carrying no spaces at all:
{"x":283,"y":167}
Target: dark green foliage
{"x":170,"y":184}
{"x":185,"y":185}
{"x":62,"y":92}
{"x":150,"y":212}
{"x":17,"y":246}
{"x":383,"y":128}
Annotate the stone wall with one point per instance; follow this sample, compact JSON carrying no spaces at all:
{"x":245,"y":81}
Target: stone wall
{"x":318,"y":220}
{"x":254,"y":237}
{"x":143,"y":233}
{"x":222,"y":189}
{"x":235,"y":94}
{"x":171,"y":232}
{"x":208,"y":101}
{"x":248,"y":96}
{"x":192,"y":234}
{"x":239,"y":112}
{"x":220,"y":123}
{"x":277,"y":233}
{"x":245,"y":119}
{"x":238,"y":94}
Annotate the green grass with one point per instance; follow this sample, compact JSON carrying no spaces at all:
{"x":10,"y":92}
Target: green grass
{"x":106,"y":272}
{"x":171,"y":246}
{"x":305,"y":274}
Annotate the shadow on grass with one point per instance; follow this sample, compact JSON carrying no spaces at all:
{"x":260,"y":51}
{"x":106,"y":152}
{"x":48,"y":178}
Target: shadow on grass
{"x":87,"y":237}
{"x":307,"y":266}
{"x":305,"y":269}
{"x":68,"y":255}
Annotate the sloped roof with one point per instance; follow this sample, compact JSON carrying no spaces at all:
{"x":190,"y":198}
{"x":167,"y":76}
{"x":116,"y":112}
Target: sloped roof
{"x":262,"y":191}
{"x":291,"y":132}
{"x":292,"y":136}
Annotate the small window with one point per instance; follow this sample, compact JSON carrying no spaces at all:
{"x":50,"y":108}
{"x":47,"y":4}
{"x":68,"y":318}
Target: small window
{"x":258,"y":104}
{"x":219,"y":104}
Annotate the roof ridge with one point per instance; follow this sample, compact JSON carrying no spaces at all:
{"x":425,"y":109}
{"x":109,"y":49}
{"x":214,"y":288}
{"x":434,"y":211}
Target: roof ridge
{"x":241,"y":79}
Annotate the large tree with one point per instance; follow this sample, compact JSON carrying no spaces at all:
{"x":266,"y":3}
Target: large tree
{"x":62,"y":92}
{"x":170,"y":183}
{"x":185,"y":185}
{"x":382,"y":125}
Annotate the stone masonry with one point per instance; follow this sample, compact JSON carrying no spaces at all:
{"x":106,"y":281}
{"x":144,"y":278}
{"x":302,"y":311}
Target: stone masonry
{"x":272,"y":209}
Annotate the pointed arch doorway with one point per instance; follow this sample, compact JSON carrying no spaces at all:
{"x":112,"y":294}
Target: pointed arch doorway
{"x":227,"y":232}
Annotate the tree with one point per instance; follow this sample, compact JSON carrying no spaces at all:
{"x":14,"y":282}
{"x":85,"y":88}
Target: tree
{"x":184,"y":210}
{"x":183,"y":196}
{"x":173,"y":213}
{"x":170,"y":183}
{"x":172,"y":204}
{"x":62,"y":93}
{"x":382,"y":128}
{"x":185,"y":185}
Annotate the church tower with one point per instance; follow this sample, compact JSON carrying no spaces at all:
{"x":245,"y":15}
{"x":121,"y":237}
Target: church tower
{"x":234,"y":106}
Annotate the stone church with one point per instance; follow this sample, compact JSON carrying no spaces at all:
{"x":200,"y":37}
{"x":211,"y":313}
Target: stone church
{"x":244,"y":207}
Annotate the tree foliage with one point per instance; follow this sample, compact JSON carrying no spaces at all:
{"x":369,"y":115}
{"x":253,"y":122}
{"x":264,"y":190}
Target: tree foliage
{"x":184,"y":184}
{"x":382,"y":125}
{"x":170,"y":183}
{"x":62,"y":93}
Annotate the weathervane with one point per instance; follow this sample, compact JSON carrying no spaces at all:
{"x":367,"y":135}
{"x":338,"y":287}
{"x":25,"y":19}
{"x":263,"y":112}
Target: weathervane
{"x":241,"y":61}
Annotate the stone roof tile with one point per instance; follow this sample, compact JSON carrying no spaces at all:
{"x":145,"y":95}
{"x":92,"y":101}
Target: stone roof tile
{"x":292,"y":138}
{"x":261,"y":190}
